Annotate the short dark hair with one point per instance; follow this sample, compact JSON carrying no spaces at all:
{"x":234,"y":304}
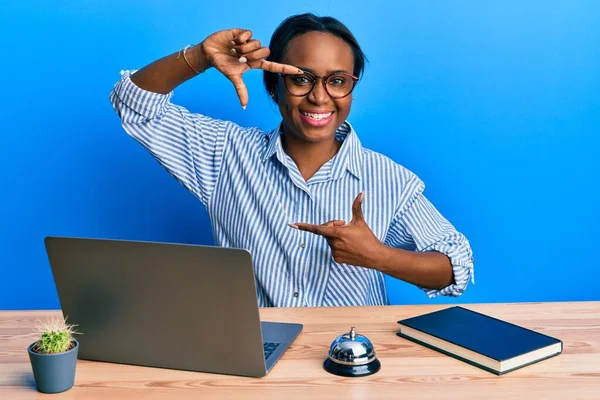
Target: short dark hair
{"x":299,"y":24}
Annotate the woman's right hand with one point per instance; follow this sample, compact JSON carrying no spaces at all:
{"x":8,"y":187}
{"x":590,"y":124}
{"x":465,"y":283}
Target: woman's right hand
{"x":233,"y":52}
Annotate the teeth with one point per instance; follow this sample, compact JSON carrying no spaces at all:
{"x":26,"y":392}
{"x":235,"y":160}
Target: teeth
{"x":317,"y":117}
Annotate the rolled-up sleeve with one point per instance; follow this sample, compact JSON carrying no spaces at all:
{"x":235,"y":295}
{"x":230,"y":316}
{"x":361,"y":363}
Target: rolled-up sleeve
{"x":419,"y":226}
{"x":189,"y":146}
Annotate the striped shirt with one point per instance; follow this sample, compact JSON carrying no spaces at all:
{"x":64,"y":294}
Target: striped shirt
{"x":252,"y":189}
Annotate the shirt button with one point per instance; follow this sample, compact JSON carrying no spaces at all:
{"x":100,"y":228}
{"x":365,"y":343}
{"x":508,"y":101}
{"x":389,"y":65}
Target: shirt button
{"x":302,"y":245}
{"x":295,"y":294}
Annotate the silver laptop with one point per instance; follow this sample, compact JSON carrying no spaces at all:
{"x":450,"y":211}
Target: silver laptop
{"x":166,"y":305}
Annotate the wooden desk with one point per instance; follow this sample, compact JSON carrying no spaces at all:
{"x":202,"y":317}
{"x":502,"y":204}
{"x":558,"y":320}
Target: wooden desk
{"x":408,"y":371}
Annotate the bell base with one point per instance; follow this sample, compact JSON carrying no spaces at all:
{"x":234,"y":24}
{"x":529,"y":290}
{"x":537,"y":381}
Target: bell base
{"x":352,"y":370}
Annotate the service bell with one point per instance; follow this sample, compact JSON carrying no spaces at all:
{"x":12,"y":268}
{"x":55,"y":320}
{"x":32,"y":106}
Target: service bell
{"x":352,"y":355}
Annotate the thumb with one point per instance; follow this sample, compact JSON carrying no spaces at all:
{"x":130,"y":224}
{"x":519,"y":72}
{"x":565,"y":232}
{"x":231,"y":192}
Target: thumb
{"x":240,"y":88}
{"x":357,"y":215}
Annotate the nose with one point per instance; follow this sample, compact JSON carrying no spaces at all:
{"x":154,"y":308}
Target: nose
{"x":318,"y":95}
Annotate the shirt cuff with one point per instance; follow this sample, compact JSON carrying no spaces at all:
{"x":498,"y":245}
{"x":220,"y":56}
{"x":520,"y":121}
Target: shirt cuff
{"x":148,"y":104}
{"x":463,"y":264}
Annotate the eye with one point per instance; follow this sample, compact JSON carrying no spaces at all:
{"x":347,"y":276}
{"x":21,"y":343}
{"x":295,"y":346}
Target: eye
{"x":337,"y":80}
{"x":301,"y":80}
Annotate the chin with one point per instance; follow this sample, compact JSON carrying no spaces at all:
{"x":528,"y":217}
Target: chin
{"x":316,"y":135}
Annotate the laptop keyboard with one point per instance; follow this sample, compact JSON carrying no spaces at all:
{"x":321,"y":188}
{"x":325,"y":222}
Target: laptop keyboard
{"x":270,"y":348}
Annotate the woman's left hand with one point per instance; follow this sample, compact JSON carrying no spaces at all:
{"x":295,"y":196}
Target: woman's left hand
{"x":351,"y":243}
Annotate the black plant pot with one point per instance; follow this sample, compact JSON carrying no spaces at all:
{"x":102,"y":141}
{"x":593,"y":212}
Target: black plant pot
{"x":54,"y":373}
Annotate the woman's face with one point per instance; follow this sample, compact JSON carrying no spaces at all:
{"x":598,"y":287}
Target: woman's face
{"x":316,"y":116}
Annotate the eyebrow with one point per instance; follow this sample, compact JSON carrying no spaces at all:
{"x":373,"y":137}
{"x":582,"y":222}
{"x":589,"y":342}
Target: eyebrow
{"x":337,"y":71}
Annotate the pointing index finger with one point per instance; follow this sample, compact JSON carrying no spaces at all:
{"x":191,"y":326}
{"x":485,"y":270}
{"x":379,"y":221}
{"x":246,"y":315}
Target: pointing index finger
{"x":326,"y":231}
{"x":276,"y":68}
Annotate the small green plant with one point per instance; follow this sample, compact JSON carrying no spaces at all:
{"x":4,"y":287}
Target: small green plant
{"x":55,"y":335}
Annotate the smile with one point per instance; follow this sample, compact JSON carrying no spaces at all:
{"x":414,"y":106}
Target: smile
{"x":316,"y":120}
{"x":317,"y":117}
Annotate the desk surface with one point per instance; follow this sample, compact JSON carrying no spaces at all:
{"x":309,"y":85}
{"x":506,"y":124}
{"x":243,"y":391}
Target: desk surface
{"x":409,"y":371}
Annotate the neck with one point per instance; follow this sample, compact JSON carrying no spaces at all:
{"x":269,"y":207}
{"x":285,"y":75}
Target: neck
{"x":309,"y":157}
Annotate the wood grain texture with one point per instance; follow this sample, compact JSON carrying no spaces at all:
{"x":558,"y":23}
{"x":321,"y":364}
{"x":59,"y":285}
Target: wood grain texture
{"x":408,"y":371}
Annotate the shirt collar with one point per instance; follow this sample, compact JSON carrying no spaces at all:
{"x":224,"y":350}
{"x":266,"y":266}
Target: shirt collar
{"x":349,"y":157}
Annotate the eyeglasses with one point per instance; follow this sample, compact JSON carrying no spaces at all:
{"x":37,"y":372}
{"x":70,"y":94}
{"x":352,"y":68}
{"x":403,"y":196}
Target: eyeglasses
{"x":337,"y":84}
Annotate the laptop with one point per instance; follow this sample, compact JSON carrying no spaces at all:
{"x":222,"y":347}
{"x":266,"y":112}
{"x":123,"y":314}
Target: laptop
{"x":165,"y":305}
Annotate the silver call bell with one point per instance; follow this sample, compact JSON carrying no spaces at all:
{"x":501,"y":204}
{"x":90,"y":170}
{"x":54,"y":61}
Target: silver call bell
{"x":352,"y":355}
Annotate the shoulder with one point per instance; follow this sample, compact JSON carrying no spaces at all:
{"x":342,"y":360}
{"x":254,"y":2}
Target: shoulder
{"x":383,"y":167}
{"x":246,"y":135}
{"x":381,"y":170}
{"x":392,"y":182}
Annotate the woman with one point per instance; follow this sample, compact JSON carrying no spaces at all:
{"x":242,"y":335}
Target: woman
{"x":323,"y":218}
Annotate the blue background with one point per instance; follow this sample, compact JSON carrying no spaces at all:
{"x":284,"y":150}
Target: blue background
{"x":495,"y":105}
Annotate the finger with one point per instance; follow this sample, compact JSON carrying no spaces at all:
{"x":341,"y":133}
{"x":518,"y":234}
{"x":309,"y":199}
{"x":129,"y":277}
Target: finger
{"x":357,"y":214}
{"x":326,"y":231}
{"x":257,"y":55}
{"x":250,"y":46}
{"x":240,"y":88}
{"x":240,"y":36}
{"x":276,"y":67}
{"x":329,"y":232}
{"x":234,"y":33}
{"x":312,"y":228}
{"x":335,"y":222}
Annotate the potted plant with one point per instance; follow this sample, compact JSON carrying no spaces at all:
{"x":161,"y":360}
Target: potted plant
{"x":53,"y":356}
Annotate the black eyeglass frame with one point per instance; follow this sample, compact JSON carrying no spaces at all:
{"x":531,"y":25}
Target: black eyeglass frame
{"x":323,"y":79}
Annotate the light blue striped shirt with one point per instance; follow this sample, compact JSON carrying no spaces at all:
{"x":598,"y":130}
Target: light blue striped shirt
{"x":252,"y":189}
